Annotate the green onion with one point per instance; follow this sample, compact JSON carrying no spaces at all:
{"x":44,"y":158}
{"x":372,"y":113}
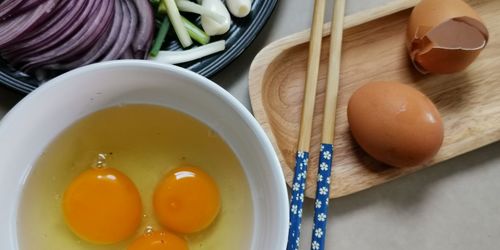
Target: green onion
{"x":194,"y":32}
{"x":160,"y":37}
{"x":182,"y":56}
{"x":162,"y":8}
{"x":188,"y":6}
{"x":177,"y":24}
{"x":155,"y":2}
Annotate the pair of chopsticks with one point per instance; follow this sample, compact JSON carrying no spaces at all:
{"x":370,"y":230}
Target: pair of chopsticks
{"x":328,"y":132}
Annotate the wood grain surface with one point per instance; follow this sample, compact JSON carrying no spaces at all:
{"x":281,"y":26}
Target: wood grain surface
{"x":311,"y":81}
{"x":374,"y":49}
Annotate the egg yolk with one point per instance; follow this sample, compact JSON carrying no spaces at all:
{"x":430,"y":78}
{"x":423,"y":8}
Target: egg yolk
{"x":159,"y":241}
{"x":102,"y":206}
{"x":186,"y":200}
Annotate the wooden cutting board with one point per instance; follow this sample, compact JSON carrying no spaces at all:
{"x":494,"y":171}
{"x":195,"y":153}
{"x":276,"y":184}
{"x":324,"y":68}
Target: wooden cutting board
{"x":374,"y":49}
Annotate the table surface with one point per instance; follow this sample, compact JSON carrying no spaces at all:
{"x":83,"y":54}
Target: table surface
{"x":452,"y":206}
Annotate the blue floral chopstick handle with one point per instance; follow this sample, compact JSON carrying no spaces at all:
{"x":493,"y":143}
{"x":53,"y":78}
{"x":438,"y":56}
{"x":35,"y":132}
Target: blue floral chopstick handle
{"x":297,"y":199}
{"x":322,"y":197}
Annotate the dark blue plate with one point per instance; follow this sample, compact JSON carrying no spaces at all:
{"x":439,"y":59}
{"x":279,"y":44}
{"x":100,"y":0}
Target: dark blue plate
{"x":243,"y":31}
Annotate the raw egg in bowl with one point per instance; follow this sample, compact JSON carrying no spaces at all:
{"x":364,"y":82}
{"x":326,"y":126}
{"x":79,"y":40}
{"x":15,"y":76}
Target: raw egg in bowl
{"x":137,"y":155}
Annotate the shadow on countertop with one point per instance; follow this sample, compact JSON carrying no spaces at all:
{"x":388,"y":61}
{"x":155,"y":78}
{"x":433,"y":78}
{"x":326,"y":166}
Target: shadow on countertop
{"x":237,"y":70}
{"x":8,"y":98}
{"x":408,"y":192}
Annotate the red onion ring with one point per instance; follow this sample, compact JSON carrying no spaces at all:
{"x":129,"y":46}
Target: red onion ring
{"x":128,"y":54}
{"x":25,"y":6}
{"x":7,"y":6}
{"x":101,"y":47}
{"x":127,"y":32}
{"x":59,"y":34}
{"x":44,"y":33}
{"x":12,"y":30}
{"x":144,"y":35}
{"x":89,"y":33}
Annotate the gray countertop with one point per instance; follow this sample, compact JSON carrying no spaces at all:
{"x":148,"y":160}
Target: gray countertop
{"x":454,"y":205}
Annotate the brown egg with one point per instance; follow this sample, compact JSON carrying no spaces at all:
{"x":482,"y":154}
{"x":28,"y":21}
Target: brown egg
{"x":395,"y":123}
{"x":445,"y":36}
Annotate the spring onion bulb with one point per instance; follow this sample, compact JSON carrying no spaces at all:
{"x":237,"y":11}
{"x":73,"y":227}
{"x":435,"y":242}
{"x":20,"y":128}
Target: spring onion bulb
{"x":239,"y":8}
{"x":181,"y":56}
{"x":188,"y":6}
{"x":212,"y":27}
{"x":175,"y":19}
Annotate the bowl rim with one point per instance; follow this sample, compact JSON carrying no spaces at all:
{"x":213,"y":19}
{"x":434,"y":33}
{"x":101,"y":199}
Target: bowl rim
{"x":7,"y":122}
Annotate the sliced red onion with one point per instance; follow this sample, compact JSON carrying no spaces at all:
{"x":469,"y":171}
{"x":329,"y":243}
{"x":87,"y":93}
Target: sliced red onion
{"x":36,"y":35}
{"x":45,"y":32}
{"x":127,"y":32}
{"x":7,"y":6}
{"x":7,"y":26}
{"x":12,"y":30}
{"x":128,"y":54}
{"x":28,"y":5}
{"x":81,"y":41}
{"x":102,"y":46}
{"x":144,"y":34}
{"x":59,"y":34}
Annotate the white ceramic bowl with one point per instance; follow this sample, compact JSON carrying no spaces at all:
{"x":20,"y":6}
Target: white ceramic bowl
{"x":33,"y":123}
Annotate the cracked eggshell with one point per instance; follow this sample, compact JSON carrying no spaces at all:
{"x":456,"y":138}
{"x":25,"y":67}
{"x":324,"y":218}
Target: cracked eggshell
{"x":445,"y":36}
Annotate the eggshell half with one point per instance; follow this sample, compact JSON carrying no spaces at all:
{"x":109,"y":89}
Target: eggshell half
{"x":445,"y":36}
{"x":395,"y":123}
